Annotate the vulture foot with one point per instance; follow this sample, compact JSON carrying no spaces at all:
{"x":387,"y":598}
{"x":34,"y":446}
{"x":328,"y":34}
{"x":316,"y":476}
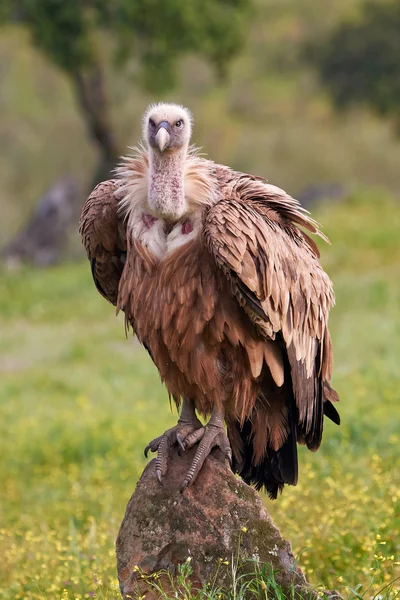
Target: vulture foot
{"x":187,"y":425}
{"x":208,"y":437}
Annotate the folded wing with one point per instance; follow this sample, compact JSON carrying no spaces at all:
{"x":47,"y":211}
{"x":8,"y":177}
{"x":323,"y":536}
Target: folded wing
{"x":276,"y":276}
{"x":104,"y":237}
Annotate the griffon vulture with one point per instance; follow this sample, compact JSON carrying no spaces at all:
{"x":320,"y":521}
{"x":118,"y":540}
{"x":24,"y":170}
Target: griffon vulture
{"x":223,"y":287}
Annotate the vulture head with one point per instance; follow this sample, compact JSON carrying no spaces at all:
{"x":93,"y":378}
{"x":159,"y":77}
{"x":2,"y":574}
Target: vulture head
{"x":167,"y":128}
{"x":166,"y":131}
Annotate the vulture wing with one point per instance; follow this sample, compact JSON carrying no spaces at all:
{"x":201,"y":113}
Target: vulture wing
{"x":104,"y":237}
{"x":276,"y":276}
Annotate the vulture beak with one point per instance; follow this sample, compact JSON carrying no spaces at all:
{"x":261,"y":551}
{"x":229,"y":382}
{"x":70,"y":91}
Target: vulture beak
{"x":163,"y":135}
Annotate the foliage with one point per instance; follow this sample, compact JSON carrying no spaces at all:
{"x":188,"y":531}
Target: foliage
{"x":270,"y":117}
{"x":78,"y":403}
{"x":155,"y":34}
{"x":78,"y":37}
{"x":360,"y":61}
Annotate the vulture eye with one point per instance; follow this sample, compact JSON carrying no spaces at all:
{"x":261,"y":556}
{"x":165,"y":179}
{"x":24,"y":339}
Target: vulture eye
{"x":151,"y":123}
{"x":179,"y":124}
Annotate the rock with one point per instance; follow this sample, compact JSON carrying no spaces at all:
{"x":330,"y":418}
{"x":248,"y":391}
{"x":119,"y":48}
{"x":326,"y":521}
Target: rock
{"x":43,"y":240}
{"x":217,"y":518}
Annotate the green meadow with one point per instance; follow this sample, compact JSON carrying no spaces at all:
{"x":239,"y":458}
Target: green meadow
{"x":79,"y":401}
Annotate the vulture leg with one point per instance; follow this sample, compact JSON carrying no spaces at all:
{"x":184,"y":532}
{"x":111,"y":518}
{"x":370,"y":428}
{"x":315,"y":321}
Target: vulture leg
{"x":188,"y":423}
{"x":210,"y":436}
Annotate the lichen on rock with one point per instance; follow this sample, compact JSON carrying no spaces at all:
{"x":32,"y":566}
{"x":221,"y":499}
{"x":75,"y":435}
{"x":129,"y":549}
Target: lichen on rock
{"x":216,"y":520}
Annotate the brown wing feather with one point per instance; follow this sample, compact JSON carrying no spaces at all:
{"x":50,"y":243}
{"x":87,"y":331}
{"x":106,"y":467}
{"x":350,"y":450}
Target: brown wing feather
{"x":104,"y":237}
{"x":276,"y":276}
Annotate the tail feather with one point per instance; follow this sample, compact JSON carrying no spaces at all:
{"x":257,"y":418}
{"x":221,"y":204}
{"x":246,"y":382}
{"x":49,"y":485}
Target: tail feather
{"x":276,"y":468}
{"x":330,"y":396}
{"x":265,"y":445}
{"x":331,"y":412}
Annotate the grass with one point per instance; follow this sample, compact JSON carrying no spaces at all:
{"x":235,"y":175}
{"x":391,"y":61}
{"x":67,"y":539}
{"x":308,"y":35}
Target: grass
{"x":78,"y":403}
{"x":251,"y":580}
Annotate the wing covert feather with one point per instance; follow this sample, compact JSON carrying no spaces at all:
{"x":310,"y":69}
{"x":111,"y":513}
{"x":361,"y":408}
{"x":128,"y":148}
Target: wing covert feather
{"x":104,"y":237}
{"x":275,"y":274}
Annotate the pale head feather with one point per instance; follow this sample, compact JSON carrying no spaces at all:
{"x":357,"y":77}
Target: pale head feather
{"x":164,"y":111}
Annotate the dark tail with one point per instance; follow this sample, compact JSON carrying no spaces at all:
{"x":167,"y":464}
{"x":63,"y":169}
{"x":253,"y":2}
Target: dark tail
{"x":278,"y":466}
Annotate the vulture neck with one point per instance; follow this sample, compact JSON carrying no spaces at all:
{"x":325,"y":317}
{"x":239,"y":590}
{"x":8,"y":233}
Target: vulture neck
{"x":166,"y":192}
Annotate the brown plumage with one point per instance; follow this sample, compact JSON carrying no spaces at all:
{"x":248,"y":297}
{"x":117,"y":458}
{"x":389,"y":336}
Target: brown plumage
{"x":224,"y":290}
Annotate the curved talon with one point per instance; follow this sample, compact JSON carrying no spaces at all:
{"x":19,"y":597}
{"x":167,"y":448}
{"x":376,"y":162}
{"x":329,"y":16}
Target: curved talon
{"x":180,"y":441}
{"x":188,"y":423}
{"x":153,"y":445}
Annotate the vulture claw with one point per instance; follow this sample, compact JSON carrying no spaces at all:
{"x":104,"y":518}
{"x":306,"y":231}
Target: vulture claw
{"x":210,"y":436}
{"x":187,"y":425}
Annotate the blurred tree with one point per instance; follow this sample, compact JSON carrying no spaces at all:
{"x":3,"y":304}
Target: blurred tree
{"x":360,"y":62}
{"x":76,"y":34}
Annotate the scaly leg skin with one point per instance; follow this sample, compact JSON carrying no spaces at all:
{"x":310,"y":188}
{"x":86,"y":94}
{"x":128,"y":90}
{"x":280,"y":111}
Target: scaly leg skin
{"x":188,"y":424}
{"x":210,"y":436}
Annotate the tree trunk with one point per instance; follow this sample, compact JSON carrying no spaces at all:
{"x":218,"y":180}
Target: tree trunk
{"x":92,"y":97}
